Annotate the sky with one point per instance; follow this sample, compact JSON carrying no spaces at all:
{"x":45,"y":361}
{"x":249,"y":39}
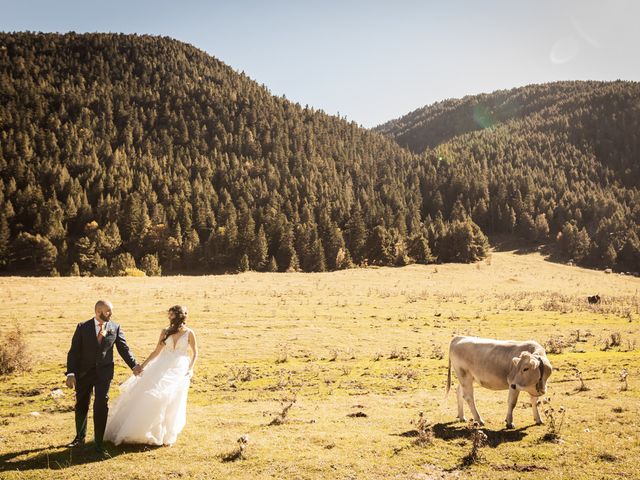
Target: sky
{"x":372,"y":61}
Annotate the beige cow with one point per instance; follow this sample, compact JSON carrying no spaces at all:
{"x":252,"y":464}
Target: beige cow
{"x":498,"y":365}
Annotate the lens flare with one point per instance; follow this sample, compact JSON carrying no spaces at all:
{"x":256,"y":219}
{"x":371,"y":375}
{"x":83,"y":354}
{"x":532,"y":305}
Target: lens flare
{"x":564,"y":50}
{"x":483,"y":116}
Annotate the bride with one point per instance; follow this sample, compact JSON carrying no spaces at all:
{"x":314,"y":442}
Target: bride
{"x":152,"y":407}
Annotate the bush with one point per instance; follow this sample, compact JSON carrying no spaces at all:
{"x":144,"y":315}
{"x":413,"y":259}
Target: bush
{"x":134,"y":272}
{"x":121,"y":264}
{"x":150,"y":265}
{"x":556,"y":344}
{"x":14,"y":353}
{"x":75,"y":270}
{"x":273,"y":266}
{"x":243,"y":265}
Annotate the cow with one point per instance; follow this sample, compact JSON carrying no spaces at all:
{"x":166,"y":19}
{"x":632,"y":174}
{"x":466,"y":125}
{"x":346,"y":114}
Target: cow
{"x":498,"y":365}
{"x":593,"y":299}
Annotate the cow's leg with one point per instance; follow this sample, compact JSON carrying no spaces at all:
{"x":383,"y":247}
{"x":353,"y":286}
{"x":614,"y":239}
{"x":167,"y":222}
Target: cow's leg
{"x":467,"y":393}
{"x":513,"y":400}
{"x":460,"y":404}
{"x":534,"y":407}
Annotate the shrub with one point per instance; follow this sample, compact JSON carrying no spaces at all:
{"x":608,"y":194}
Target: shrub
{"x":121,"y":264}
{"x":425,"y":431}
{"x":134,"y":272}
{"x":555,"y":420}
{"x":478,"y":440}
{"x":242,"y":374}
{"x":14,"y":353}
{"x":281,"y":416}
{"x":283,"y":355}
{"x":583,"y":386}
{"x":614,"y":340}
{"x":75,"y":270}
{"x":150,"y":265}
{"x":238,"y":452}
{"x":624,"y":374}
{"x":556,"y":344}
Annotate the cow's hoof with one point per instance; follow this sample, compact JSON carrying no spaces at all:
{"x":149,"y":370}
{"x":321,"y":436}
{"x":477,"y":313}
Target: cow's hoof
{"x":539,"y":422}
{"x":510,"y":426}
{"x":462,"y":419}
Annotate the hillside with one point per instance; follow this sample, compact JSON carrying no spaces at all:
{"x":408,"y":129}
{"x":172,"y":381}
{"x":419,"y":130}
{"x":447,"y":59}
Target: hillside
{"x":122,"y":150}
{"x":539,"y":161}
{"x":126,"y":152}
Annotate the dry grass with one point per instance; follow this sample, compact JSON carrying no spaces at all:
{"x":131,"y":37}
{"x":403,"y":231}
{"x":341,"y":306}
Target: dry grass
{"x":335,"y":334}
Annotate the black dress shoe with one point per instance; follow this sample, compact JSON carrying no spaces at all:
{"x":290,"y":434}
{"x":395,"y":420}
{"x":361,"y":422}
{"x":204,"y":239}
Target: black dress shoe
{"x":102,"y":454}
{"x":76,"y":442}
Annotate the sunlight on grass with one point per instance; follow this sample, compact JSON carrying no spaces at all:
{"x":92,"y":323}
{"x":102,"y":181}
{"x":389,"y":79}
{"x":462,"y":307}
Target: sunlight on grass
{"x":346,"y":362}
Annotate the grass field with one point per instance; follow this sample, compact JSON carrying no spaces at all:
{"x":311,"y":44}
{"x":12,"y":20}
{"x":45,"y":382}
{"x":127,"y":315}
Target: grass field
{"x":362,"y":352}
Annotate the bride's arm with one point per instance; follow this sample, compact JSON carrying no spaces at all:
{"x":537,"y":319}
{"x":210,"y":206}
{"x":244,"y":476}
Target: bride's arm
{"x":194,"y":347}
{"x":158,"y":349}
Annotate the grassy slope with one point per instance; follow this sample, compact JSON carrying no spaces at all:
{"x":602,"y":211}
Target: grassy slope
{"x":362,"y":318}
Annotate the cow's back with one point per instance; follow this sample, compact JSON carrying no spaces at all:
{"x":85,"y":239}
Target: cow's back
{"x":488,"y":361}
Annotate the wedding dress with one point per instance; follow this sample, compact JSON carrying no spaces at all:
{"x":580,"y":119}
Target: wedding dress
{"x":152,"y":407}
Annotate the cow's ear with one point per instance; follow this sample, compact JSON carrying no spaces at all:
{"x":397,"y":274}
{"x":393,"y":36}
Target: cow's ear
{"x":548,"y":369}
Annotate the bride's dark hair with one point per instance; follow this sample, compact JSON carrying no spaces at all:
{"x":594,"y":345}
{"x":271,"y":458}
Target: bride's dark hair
{"x":179,"y":317}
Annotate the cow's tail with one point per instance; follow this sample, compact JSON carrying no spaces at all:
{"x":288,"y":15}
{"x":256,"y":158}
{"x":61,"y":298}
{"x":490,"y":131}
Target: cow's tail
{"x":448,"y":378}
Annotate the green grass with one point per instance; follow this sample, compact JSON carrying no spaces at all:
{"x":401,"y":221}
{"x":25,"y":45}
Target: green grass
{"x":366,"y":341}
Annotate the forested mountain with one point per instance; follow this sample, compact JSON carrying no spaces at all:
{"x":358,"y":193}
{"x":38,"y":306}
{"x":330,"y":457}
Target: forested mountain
{"x":120,"y":152}
{"x":559,"y":160}
{"x":125,"y":151}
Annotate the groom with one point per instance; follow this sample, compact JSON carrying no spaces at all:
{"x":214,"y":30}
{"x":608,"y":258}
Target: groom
{"x":90,"y":367}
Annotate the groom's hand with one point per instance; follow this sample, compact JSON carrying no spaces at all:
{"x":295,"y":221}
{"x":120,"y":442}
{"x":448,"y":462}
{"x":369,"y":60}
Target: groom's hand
{"x":137,"y":370}
{"x":71,"y":381}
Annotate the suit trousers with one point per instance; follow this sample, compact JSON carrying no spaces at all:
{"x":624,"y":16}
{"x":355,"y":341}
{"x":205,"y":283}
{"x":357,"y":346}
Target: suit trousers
{"x":85,"y":386}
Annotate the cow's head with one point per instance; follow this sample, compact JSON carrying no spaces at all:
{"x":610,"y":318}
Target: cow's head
{"x":529,"y":372}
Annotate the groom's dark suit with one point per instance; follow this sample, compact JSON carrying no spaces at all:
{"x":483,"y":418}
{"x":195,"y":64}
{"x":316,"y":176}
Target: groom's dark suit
{"x":92,"y":365}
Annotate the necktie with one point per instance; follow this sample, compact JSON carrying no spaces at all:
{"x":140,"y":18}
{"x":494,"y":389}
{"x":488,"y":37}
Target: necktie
{"x":100,"y":336}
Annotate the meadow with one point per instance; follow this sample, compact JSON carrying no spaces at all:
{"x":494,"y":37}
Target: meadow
{"x":343,"y":374}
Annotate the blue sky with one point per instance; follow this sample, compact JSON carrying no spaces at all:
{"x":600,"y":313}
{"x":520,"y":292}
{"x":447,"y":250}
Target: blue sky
{"x":372,"y":61}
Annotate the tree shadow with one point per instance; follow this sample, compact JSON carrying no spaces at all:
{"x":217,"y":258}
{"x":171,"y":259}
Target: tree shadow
{"x":59,"y":457}
{"x":513,"y":243}
{"x":550,"y":251}
{"x":451,"y":431}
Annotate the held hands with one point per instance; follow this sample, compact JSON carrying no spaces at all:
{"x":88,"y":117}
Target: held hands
{"x":71,"y":381}
{"x":137,"y":370}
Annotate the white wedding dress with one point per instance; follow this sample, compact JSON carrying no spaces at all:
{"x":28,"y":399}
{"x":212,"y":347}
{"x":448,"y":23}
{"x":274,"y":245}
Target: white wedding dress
{"x":152,"y":408}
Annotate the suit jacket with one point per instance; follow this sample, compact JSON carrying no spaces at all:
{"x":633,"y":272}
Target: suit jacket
{"x":86,"y":353}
